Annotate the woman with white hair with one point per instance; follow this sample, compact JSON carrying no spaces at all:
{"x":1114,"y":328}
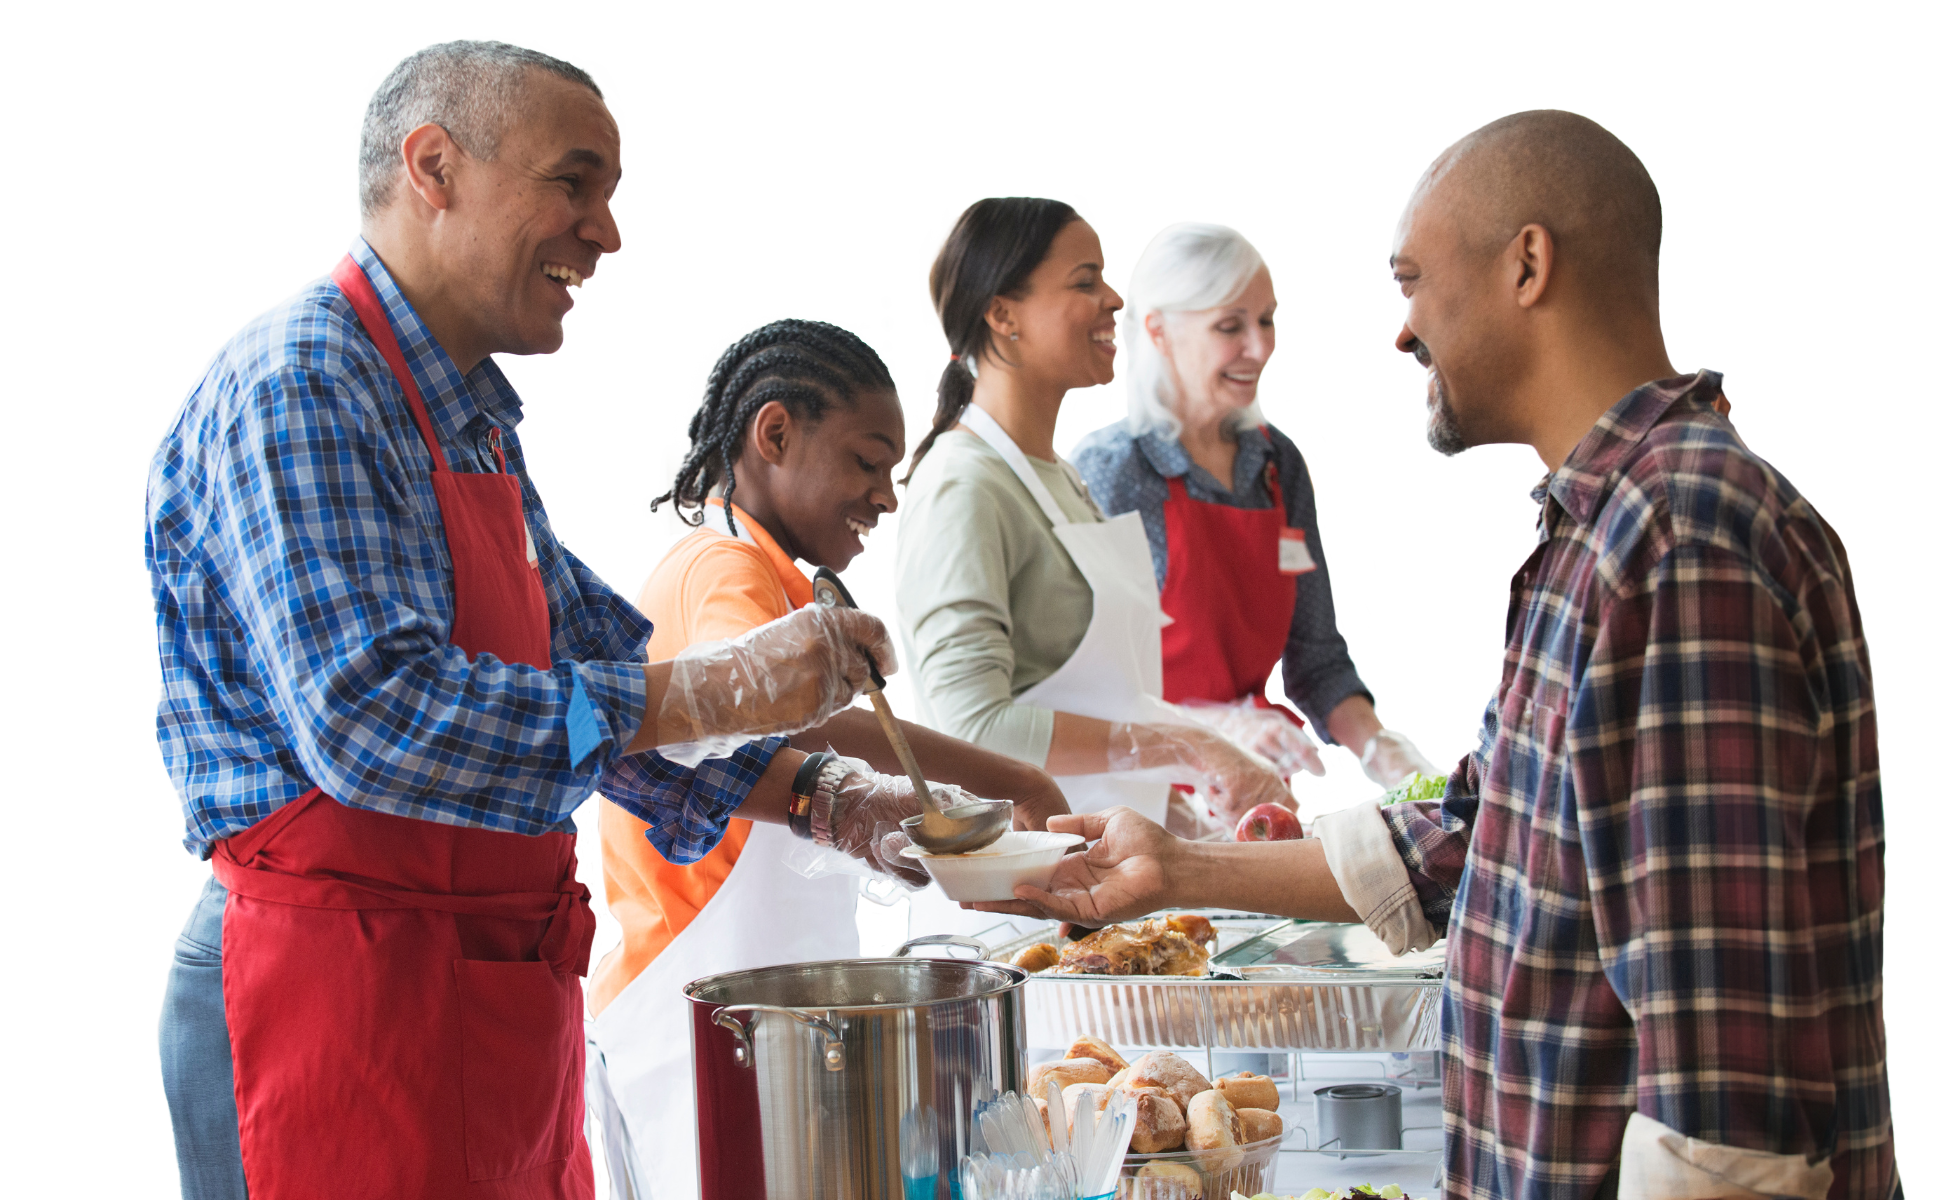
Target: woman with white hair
{"x":1228,"y":509}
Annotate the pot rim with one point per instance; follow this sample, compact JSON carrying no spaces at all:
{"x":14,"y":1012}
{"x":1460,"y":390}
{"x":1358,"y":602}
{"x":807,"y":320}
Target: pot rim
{"x":1016,"y":977}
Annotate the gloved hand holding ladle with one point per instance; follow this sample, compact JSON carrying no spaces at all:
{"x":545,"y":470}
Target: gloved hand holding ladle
{"x":938,"y":830}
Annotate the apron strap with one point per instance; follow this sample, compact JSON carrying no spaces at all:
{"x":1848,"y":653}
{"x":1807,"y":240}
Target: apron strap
{"x":984,"y":426}
{"x":370,"y":313}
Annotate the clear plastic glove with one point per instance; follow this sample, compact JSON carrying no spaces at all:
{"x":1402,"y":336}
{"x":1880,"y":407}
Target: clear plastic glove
{"x":778,"y":678}
{"x":1390,"y":756}
{"x":868,"y":840}
{"x":1265,"y":731}
{"x":1232,"y":779}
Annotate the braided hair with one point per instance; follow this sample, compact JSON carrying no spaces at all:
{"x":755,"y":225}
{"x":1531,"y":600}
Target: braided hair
{"x":808,"y":366}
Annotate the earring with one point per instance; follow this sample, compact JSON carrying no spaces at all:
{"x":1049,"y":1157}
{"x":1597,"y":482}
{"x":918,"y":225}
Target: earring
{"x":1012,"y":337}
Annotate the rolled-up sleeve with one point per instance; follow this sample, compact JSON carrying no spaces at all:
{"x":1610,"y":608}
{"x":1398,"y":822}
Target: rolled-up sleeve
{"x":1399,"y":866}
{"x":687,"y":808}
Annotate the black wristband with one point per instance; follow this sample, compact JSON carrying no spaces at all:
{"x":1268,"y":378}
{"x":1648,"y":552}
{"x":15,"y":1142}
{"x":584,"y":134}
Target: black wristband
{"x":801,"y":793}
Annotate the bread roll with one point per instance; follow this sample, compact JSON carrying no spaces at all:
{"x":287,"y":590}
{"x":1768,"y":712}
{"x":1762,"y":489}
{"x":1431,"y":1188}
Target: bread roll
{"x":1068,"y":1072}
{"x":1246,"y":1090}
{"x":1043,"y":1112}
{"x":1040,"y":957}
{"x":1160,"y":1123}
{"x":1163,"y":1069}
{"x":1089,"y":1047}
{"x":1117,"y":1080}
{"x":1193,"y":1184}
{"x":1257,"y":1124}
{"x":1210,"y":1123}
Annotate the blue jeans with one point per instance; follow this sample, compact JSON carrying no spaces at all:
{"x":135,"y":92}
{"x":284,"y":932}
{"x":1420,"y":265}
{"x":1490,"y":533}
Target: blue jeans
{"x":197,"y":1073}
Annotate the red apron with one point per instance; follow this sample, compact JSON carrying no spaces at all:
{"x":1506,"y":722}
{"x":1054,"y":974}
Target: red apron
{"x":1229,"y":594}
{"x":403,"y":996}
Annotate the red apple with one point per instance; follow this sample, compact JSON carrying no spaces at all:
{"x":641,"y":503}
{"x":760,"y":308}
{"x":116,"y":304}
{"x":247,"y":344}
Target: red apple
{"x":1269,"y":822}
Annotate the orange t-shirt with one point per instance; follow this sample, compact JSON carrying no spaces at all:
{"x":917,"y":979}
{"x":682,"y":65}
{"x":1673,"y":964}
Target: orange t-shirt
{"x":709,"y":587}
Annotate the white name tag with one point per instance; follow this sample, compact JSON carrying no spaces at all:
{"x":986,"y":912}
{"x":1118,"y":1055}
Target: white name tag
{"x":1294,"y":558}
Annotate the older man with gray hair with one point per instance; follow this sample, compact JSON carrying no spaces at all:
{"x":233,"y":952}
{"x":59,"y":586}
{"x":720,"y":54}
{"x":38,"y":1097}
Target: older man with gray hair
{"x":387,"y":685}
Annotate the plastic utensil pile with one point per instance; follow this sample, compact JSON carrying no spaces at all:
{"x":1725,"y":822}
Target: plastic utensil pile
{"x":1077,"y":1158}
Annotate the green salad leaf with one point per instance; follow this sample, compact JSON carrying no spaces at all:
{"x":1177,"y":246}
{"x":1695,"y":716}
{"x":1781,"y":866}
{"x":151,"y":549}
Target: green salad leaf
{"x":1416,"y":787}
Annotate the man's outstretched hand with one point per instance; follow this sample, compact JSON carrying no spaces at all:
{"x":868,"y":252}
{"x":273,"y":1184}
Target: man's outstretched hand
{"x":1123,"y":874}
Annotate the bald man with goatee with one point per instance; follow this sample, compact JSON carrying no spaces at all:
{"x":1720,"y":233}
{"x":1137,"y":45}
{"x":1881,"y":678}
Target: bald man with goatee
{"x":1660,"y":875}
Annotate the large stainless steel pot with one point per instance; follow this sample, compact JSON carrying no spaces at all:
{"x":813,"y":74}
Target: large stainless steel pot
{"x":810,"y":1078}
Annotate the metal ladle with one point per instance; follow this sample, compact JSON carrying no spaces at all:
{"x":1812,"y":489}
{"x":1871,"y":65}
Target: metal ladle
{"x":956,"y":830}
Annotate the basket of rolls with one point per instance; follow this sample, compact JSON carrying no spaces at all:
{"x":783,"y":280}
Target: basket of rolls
{"x":1195,"y":1138}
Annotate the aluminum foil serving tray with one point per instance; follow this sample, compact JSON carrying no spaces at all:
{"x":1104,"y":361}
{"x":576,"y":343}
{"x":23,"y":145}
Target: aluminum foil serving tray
{"x":1276,"y":985}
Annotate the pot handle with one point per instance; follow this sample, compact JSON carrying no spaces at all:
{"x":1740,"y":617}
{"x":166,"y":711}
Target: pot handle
{"x":833,"y":1055}
{"x":942,"y":939}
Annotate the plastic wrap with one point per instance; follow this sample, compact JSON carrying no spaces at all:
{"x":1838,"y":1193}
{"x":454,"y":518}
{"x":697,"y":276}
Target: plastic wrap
{"x":1264,"y":730}
{"x":778,"y":678}
{"x":1233,"y":779}
{"x":1390,"y":756}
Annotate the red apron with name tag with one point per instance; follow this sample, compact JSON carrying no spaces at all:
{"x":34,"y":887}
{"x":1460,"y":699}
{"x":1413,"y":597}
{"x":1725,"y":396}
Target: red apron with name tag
{"x":402,"y":996}
{"x":1228,"y":595}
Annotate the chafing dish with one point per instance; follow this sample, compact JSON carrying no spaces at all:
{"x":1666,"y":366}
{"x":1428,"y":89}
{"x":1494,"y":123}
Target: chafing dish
{"x":1274,"y":985}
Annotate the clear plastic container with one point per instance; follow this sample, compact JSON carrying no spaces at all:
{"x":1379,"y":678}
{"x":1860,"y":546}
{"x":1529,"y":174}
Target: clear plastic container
{"x":1200,"y":1174}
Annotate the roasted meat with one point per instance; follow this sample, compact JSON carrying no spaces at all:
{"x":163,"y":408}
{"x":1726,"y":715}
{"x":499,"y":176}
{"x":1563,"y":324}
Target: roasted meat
{"x":1173,"y":945}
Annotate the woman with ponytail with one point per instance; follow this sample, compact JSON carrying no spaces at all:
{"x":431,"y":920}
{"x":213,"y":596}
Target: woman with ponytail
{"x":1031,"y":620}
{"x":793,"y":454}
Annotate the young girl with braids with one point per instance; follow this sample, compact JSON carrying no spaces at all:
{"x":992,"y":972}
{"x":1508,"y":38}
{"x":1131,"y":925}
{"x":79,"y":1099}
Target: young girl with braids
{"x":792,"y":456}
{"x":1032,"y":621}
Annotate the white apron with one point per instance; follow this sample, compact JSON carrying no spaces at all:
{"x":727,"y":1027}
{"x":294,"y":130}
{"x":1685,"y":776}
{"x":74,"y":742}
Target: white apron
{"x":1116,"y":672}
{"x":764,"y":914}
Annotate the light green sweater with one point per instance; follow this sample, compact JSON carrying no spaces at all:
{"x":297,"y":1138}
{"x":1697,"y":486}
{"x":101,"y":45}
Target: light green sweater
{"x":990,"y":602}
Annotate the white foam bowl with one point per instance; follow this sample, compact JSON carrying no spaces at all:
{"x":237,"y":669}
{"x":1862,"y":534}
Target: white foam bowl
{"x":992,"y":873}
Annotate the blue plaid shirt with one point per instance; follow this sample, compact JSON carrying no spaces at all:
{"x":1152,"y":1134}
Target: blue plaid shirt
{"x":303,"y":605}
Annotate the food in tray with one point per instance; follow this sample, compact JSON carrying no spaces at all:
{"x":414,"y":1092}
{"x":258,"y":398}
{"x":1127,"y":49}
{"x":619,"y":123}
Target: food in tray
{"x":1173,"y":945}
{"x":1246,"y":1090}
{"x":1189,"y":1182}
{"x":1068,"y":1072}
{"x":1089,"y":1047}
{"x":1040,"y":957}
{"x":1169,"y":945}
{"x":1268,"y":822}
{"x":1159,"y":1124}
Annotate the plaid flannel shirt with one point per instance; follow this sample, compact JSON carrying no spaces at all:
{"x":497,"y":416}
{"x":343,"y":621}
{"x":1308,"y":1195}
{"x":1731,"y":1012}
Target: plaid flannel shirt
{"x":303,"y":605}
{"x":1661,"y":874}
